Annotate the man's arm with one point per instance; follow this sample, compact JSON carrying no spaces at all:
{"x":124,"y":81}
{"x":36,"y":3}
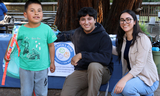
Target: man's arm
{"x":103,"y":55}
{"x":52,"y":54}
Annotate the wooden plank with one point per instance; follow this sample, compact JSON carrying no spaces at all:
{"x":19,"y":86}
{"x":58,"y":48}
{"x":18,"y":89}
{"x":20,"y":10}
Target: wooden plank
{"x":14,"y":13}
{"x":21,"y":13}
{"x":49,"y":11}
{"x":22,"y":3}
{"x":19,"y":17}
{"x":23,"y":18}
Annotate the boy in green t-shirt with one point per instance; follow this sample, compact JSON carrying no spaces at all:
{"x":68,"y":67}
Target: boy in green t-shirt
{"x":37,"y":51}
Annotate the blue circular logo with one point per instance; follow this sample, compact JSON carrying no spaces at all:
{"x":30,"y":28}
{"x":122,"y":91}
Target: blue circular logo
{"x":63,"y":53}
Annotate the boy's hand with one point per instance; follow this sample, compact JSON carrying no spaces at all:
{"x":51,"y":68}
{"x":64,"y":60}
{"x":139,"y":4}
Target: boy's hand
{"x":76,"y":58}
{"x":52,"y":67}
{"x":6,"y":59}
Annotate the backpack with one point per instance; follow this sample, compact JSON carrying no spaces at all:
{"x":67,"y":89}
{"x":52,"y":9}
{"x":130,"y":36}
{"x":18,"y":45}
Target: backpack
{"x":11,"y":68}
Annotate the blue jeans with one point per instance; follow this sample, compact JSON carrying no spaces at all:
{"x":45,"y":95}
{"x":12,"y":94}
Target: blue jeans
{"x":136,"y":87}
{"x":33,"y":80}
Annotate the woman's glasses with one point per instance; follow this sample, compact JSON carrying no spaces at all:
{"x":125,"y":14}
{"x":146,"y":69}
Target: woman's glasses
{"x":127,"y":20}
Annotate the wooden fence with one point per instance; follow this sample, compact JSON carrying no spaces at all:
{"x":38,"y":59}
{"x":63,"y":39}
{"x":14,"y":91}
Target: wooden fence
{"x":19,"y":6}
{"x":150,"y":9}
{"x":16,"y":10}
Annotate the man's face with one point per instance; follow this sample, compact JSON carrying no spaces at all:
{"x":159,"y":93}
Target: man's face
{"x":34,"y":13}
{"x":87,"y":23}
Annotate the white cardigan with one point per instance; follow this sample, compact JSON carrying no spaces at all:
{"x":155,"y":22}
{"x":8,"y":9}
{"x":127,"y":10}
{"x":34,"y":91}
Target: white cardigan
{"x":141,"y":59}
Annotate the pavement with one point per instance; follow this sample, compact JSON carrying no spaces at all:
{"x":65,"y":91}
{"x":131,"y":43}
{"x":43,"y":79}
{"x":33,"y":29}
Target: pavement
{"x":157,"y":92}
{"x":51,"y":92}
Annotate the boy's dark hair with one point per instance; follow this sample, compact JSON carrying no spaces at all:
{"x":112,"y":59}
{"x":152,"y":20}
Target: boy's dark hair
{"x":87,"y":10}
{"x":31,"y":2}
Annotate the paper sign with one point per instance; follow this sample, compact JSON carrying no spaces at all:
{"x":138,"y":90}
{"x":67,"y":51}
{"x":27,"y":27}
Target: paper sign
{"x":64,"y":51}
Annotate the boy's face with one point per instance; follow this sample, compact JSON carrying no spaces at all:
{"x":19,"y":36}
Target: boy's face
{"x":87,"y":23}
{"x":34,"y":13}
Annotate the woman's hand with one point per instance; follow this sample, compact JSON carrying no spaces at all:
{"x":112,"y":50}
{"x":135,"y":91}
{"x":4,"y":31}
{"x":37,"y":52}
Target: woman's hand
{"x":121,"y":83}
{"x":119,"y":87}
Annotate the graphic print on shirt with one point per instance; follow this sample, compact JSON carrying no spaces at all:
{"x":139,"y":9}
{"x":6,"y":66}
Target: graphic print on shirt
{"x":26,"y":45}
{"x":33,"y":53}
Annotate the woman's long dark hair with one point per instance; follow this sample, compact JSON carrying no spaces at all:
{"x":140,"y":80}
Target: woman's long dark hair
{"x":120,"y":32}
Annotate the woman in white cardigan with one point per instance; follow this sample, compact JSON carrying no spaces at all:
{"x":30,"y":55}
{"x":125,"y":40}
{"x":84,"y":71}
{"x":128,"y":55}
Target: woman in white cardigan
{"x":134,"y":49}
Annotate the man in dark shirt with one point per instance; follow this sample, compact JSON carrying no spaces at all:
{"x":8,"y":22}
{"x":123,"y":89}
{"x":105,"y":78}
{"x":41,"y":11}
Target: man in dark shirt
{"x":92,"y":61}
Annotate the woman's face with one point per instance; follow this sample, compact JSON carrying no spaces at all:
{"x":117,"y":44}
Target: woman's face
{"x":127,"y":22}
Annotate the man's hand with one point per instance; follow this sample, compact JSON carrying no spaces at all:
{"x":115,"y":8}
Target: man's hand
{"x":76,"y":58}
{"x":52,"y":67}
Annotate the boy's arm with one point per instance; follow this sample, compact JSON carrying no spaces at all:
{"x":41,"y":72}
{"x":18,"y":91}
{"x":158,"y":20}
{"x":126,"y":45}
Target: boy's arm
{"x":5,"y":56}
{"x":52,"y":54}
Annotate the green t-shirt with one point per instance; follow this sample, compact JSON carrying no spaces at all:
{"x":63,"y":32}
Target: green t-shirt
{"x":34,"y":53}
